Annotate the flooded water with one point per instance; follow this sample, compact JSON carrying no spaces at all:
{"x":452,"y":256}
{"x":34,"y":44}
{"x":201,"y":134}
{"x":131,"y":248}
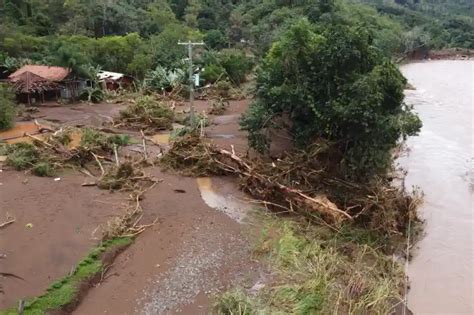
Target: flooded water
{"x":440,"y":162}
{"x":224,"y":196}
{"x":16,"y":134}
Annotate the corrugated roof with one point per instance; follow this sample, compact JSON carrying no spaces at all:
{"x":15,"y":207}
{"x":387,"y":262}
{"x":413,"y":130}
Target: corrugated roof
{"x":47,"y":72}
{"x":108,"y":75}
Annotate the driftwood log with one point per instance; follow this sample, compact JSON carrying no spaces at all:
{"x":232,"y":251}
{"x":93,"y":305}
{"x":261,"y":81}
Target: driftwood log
{"x":319,"y":204}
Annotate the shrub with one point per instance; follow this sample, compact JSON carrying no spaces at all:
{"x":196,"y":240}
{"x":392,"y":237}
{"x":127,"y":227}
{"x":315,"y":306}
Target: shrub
{"x":215,"y":39}
{"x":212,"y":73}
{"x":43,"y":169}
{"x":236,"y":64}
{"x":7,"y":108}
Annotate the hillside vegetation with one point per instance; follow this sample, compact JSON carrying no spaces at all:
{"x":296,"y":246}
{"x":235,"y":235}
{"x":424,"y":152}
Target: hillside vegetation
{"x":135,"y":36}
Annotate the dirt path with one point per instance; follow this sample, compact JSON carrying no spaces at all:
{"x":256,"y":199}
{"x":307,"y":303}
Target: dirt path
{"x":62,"y":215}
{"x":79,"y":114}
{"x":192,"y":253}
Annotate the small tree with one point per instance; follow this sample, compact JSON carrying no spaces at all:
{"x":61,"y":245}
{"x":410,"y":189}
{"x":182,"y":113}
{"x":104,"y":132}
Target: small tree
{"x":215,"y":39}
{"x":7,"y":108}
{"x":236,"y":64}
{"x":334,"y":85}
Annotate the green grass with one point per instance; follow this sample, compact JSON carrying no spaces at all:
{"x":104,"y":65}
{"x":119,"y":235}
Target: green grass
{"x":21,"y":155}
{"x":234,"y":303}
{"x":43,"y":169}
{"x":318,"y":271}
{"x":64,"y":290}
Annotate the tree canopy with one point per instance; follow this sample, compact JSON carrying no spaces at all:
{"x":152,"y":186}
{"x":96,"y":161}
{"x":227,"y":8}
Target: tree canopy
{"x":331,"y":83}
{"x":34,"y":29}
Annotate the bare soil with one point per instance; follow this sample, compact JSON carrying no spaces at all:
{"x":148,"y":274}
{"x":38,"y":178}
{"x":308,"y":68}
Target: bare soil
{"x":176,"y":266}
{"x":53,"y":228}
{"x":79,"y":114}
{"x":192,"y":253}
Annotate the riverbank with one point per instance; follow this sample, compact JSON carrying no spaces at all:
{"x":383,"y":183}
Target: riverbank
{"x":441,"y":54}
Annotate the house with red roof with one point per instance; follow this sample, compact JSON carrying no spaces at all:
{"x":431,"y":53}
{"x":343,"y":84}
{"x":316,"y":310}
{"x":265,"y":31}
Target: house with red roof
{"x":39,"y":83}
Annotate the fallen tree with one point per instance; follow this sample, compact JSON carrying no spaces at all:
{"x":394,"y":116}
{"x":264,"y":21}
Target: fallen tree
{"x":301,"y":182}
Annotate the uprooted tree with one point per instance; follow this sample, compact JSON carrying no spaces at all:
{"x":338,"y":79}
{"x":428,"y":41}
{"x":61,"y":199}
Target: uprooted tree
{"x":331,"y":83}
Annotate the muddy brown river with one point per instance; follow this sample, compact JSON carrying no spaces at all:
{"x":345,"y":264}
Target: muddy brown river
{"x":440,"y":162}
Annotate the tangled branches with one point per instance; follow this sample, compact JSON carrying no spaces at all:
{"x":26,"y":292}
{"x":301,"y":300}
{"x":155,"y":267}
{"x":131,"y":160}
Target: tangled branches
{"x":303,"y":182}
{"x":147,"y":114}
{"x":192,"y":157}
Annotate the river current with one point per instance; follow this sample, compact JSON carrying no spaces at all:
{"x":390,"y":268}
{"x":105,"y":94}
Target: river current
{"x":440,"y":162}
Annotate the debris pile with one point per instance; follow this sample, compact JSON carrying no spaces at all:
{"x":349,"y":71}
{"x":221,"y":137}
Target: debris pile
{"x":147,"y":114}
{"x":302,"y":182}
{"x":218,"y":106}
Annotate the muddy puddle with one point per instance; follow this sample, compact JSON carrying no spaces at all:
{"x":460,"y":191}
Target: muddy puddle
{"x":222,"y":194}
{"x":439,"y":161}
{"x":161,"y":138}
{"x":17,"y":133}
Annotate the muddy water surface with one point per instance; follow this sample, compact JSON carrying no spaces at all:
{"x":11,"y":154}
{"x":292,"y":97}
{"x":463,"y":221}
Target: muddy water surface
{"x":440,"y":162}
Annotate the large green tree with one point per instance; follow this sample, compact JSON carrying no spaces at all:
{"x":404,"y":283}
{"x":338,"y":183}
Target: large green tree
{"x":333,"y":84}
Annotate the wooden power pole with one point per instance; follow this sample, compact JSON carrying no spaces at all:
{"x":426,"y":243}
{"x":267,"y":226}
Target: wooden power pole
{"x":191,"y":81}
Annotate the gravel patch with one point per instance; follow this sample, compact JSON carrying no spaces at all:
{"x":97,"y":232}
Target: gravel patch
{"x":195,"y":270}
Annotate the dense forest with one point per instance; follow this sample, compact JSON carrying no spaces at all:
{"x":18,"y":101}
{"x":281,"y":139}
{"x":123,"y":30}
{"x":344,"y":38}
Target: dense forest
{"x":134,"y":36}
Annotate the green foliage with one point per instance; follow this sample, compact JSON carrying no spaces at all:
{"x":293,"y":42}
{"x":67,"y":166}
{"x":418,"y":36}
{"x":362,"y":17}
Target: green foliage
{"x":162,"y":79}
{"x":212,"y":73}
{"x":92,"y":138}
{"x":164,"y":46}
{"x":119,"y":140}
{"x":43,"y":169}
{"x":318,"y":273}
{"x":93,"y":94}
{"x":149,"y":114}
{"x":215,"y":39}
{"x":236,"y":64}
{"x":7,"y":108}
{"x":333,"y":84}
{"x":21,"y":155}
{"x":233,"y":303}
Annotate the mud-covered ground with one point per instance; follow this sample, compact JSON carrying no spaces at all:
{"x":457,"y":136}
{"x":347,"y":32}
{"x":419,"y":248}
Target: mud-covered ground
{"x":54,"y":228}
{"x":199,"y":246}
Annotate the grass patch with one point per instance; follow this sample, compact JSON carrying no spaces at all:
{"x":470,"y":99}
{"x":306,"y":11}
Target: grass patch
{"x":43,"y":169}
{"x":64,"y":291}
{"x":234,"y":303}
{"x":319,"y":271}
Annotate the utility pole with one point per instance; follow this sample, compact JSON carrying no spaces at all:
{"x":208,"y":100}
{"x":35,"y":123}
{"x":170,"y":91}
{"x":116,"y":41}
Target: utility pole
{"x":191,"y":81}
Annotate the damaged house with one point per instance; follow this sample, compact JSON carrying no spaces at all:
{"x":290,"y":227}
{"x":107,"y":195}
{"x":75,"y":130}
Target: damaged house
{"x":40,"y":83}
{"x":114,"y":80}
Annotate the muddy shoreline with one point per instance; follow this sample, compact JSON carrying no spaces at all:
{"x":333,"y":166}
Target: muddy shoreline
{"x":442,"y":54}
